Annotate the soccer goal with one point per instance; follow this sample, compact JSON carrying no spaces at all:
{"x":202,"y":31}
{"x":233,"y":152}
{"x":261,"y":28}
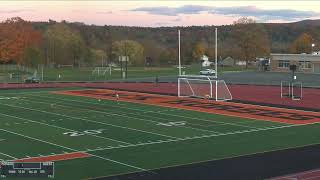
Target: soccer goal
{"x":285,"y":89}
{"x":101,"y":71}
{"x":203,"y":87}
{"x":296,"y":90}
{"x":292,"y":90}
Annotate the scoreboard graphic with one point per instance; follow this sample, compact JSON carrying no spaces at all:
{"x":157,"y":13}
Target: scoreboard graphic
{"x":26,"y":169}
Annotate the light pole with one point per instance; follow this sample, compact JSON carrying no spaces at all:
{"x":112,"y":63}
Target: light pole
{"x":312,"y":45}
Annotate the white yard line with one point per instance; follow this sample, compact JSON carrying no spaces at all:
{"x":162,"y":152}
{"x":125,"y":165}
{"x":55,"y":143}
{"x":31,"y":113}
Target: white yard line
{"x":59,"y":127}
{"x":199,"y":137}
{"x":85,"y":119}
{"x":115,"y":114}
{"x":175,"y":115}
{"x":112,"y":113}
{"x":7,"y":155}
{"x":71,"y":149}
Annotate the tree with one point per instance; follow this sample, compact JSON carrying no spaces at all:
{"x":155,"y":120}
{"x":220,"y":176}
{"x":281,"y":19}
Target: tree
{"x":302,"y":44}
{"x":167,"y":57}
{"x":98,"y":57}
{"x":251,"y":38}
{"x":199,"y":51}
{"x":16,"y":35}
{"x":64,"y":45}
{"x":130,"y":48}
{"x":33,"y":56}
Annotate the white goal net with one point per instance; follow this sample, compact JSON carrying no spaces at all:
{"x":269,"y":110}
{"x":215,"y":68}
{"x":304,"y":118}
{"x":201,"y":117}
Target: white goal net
{"x":101,"y":71}
{"x":203,"y":87}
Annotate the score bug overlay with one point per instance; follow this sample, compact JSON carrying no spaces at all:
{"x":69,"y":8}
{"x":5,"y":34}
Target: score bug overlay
{"x":26,"y":169}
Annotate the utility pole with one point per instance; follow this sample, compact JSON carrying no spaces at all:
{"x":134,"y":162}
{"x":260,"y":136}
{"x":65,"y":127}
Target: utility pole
{"x":179,"y":54}
{"x":216,"y":52}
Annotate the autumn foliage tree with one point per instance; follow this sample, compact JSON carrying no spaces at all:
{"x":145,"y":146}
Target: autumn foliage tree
{"x":198,"y":51}
{"x":302,"y":44}
{"x":64,"y":45}
{"x":133,"y":49}
{"x":251,"y":38}
{"x":16,"y":36}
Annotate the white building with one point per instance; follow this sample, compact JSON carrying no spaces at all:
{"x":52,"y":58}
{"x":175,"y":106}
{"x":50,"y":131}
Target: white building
{"x":205,"y":61}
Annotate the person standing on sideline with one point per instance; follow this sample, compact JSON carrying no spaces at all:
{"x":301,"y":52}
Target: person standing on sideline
{"x":156,"y":81}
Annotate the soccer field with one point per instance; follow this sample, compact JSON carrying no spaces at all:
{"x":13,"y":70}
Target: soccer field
{"x":90,"y":138}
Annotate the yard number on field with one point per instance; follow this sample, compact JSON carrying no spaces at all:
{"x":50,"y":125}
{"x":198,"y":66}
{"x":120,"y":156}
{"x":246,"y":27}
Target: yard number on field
{"x":177,"y":123}
{"x":86,"y":132}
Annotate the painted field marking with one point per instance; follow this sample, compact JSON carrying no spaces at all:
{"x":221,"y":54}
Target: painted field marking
{"x":7,"y":155}
{"x":174,"y":103}
{"x":201,"y":137}
{"x":59,"y":127}
{"x":86,"y":132}
{"x":8,"y":98}
{"x":54,"y":157}
{"x":115,"y":114}
{"x":169,"y":124}
{"x":71,"y":149}
{"x":177,"y":109}
{"x":123,"y":127}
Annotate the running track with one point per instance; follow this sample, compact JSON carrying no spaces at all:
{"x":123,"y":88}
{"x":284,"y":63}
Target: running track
{"x":263,"y":95}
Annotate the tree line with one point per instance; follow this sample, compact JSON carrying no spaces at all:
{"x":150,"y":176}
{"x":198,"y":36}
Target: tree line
{"x":64,"y":43}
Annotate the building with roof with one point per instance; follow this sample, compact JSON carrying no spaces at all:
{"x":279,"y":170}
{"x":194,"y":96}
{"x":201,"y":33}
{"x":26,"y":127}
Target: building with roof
{"x":308,"y":63}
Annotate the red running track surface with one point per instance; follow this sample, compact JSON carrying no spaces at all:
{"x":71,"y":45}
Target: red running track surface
{"x":245,"y":93}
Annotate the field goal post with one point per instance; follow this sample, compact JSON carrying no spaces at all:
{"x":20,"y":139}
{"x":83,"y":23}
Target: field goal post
{"x":206,"y":87}
{"x":101,"y":71}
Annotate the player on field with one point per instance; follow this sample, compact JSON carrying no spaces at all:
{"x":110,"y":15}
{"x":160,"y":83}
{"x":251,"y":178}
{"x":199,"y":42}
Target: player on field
{"x":117,"y":96}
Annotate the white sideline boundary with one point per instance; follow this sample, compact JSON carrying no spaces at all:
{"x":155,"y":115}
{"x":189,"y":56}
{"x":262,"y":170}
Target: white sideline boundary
{"x":71,"y":149}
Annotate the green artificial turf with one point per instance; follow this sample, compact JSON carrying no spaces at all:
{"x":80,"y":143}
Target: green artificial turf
{"x":134,"y":137}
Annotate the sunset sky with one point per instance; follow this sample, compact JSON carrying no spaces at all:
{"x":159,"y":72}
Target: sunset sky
{"x":160,"y":13}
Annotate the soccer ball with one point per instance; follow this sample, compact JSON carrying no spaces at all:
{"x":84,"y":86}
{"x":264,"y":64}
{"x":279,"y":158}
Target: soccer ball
{"x":99,"y":99}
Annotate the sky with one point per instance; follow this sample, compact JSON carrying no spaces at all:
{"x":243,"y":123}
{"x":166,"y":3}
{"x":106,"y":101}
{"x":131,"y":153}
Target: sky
{"x":160,"y":13}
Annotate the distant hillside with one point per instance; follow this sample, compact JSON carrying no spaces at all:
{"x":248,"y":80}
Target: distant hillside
{"x":159,"y":42}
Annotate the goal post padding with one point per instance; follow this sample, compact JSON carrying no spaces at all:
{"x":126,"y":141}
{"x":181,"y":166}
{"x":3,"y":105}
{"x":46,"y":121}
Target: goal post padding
{"x":203,"y":87}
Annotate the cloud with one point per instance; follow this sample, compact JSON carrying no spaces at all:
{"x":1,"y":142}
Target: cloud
{"x":249,"y":11}
{"x":168,"y":11}
{"x":15,"y":11}
{"x":263,"y":14}
{"x":177,"y":19}
{"x":104,"y":12}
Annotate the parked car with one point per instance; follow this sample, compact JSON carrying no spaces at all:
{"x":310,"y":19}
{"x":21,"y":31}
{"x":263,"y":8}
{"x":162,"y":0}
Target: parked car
{"x":32,"y":80}
{"x":207,"y":72}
